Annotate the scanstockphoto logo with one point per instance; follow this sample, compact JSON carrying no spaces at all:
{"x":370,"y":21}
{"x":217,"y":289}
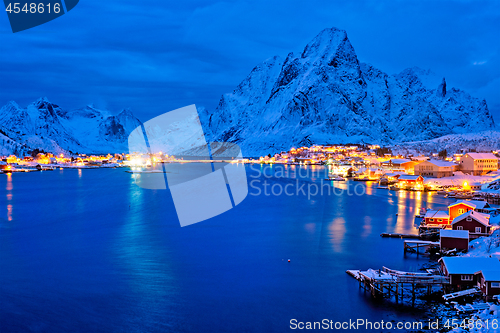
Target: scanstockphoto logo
{"x":200,"y":191}
{"x":28,"y":14}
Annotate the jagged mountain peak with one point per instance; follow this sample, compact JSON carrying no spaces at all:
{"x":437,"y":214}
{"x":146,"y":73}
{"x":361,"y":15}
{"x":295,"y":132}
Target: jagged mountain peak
{"x":43,"y":102}
{"x":325,"y":44}
{"x":126,"y":113}
{"x":11,"y":105}
{"x":325,"y":95}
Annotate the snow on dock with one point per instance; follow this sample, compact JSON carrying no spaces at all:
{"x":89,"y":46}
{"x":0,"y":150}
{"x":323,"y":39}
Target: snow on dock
{"x":467,"y":292}
{"x":386,"y":281}
{"x":353,"y":273}
{"x":472,"y":307}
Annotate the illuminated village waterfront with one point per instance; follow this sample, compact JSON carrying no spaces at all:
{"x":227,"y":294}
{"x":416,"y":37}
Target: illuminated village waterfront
{"x":460,"y":175}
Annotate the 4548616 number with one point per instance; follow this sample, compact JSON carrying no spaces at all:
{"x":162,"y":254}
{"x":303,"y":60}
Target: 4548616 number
{"x":33,"y":8}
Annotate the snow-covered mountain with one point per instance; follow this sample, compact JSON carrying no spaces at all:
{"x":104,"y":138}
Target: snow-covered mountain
{"x":322,"y":95}
{"x":9,"y":146}
{"x":479,"y":141}
{"x":47,"y":126}
{"x":325,"y":95}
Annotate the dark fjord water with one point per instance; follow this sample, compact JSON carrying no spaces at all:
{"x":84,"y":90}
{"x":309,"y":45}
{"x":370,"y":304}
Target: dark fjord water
{"x":89,"y":251}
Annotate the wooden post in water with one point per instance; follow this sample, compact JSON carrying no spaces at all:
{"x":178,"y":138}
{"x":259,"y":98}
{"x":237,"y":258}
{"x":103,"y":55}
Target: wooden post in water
{"x":413,"y":294}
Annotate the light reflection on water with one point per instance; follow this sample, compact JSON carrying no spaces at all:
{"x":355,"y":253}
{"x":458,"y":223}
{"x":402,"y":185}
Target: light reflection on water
{"x":337,"y":230}
{"x":9,"y":188}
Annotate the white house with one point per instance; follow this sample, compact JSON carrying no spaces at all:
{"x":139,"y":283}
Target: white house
{"x":478,"y":163}
{"x":435,"y":168}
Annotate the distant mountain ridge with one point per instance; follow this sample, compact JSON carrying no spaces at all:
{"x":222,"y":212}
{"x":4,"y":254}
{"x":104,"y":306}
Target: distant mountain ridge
{"x":325,"y":95}
{"x":47,"y":126}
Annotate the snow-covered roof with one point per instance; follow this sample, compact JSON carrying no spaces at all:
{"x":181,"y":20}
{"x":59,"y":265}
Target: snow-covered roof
{"x":465,"y":202}
{"x":436,"y":214}
{"x":491,"y":275}
{"x":442,"y":163}
{"x":394,"y":174}
{"x":469,"y":265}
{"x":475,"y":215}
{"x":420,"y":158}
{"x":454,"y":233}
{"x":399,"y":160}
{"x":482,"y":156}
{"x":480,"y":204}
{"x":408,"y":177}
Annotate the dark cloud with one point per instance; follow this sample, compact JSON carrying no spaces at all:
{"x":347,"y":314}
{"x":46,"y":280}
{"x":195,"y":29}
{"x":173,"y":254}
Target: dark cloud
{"x":154,"y":56}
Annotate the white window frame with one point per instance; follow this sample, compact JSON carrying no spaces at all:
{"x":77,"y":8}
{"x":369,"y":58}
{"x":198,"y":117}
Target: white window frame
{"x":459,"y":227}
{"x":466,"y":277}
{"x":495,"y":284}
{"x":478,"y":228}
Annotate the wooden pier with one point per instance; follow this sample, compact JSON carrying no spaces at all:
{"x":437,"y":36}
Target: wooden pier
{"x":413,"y":246}
{"x":396,"y":235}
{"x":387,"y":282}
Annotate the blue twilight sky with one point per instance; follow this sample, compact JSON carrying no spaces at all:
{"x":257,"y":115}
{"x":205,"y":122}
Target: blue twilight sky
{"x":155,"y":56}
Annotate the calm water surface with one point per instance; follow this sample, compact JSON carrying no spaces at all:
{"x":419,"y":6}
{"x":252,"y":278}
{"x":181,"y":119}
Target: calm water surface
{"x":89,"y":251}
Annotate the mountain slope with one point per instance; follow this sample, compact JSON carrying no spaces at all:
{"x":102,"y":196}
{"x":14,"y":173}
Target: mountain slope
{"x":479,"y":141}
{"x":47,"y":126}
{"x":325,"y":95}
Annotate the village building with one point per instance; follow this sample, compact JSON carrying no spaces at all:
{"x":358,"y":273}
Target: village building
{"x":410,"y":181}
{"x":463,"y":206}
{"x":454,"y":239}
{"x":4,"y":165}
{"x":462,"y":270}
{"x":445,"y":218}
{"x":460,"y":207}
{"x":435,"y":169}
{"x":409,"y":166}
{"x":474,"y":186}
{"x":478,"y":163}
{"x":488,"y":280}
{"x":395,"y":163}
{"x":476,"y":223}
{"x":436,"y":217}
{"x":392,"y":177}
